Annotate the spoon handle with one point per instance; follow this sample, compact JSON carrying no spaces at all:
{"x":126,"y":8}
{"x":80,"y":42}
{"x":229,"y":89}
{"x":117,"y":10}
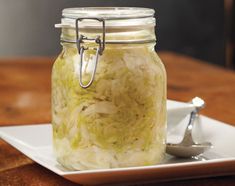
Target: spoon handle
{"x":188,"y":140}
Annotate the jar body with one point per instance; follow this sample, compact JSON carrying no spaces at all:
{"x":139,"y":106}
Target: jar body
{"x":120,"y":120}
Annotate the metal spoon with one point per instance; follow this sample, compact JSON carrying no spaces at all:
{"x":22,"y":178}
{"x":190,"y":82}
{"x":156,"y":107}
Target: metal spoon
{"x":187,"y":147}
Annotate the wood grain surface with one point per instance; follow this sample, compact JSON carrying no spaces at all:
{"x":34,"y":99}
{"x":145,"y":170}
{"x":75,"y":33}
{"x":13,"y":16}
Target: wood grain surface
{"x":25,"y":99}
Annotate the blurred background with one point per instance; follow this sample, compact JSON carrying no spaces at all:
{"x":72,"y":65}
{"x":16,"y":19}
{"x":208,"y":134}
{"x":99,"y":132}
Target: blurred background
{"x":198,"y":28}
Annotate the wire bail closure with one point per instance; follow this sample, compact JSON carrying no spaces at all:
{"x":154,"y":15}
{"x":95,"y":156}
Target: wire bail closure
{"x":99,"y":50}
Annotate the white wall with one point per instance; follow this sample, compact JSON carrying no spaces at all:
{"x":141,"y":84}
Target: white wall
{"x":192,"y":27}
{"x":27,"y":26}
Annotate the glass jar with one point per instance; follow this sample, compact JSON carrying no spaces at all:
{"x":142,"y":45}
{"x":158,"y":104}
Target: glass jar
{"x":108,"y":90}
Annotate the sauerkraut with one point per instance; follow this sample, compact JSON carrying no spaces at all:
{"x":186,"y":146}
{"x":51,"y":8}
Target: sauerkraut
{"x":120,"y":120}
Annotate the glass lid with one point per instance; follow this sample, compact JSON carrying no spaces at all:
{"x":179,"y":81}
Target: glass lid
{"x":115,"y":17}
{"x":108,"y":13}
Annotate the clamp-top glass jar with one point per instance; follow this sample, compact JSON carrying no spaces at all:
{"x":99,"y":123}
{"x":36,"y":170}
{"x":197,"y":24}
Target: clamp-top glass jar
{"x":108,"y":90}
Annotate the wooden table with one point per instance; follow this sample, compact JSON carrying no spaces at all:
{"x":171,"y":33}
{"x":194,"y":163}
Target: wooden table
{"x":25,"y":99}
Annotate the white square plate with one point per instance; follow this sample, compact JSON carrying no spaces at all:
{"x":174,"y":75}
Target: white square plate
{"x":35,"y":141}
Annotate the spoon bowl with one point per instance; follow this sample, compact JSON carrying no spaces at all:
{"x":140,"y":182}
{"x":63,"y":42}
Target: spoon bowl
{"x":188,"y":148}
{"x":188,"y":151}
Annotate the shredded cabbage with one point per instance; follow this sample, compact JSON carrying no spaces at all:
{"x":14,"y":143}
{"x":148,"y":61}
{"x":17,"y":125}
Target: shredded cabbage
{"x":120,"y":120}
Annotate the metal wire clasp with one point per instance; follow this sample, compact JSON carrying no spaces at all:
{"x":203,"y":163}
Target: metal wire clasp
{"x":99,"y":50}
